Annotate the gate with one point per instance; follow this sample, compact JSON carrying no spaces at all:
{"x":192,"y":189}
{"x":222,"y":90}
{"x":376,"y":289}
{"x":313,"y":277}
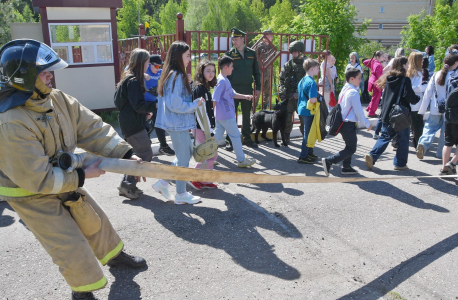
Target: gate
{"x":211,"y":44}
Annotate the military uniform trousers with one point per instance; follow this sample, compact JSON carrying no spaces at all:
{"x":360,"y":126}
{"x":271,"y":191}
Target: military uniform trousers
{"x":246,"y":111}
{"x":76,"y":255}
{"x":266,"y":90}
{"x":290,"y":109}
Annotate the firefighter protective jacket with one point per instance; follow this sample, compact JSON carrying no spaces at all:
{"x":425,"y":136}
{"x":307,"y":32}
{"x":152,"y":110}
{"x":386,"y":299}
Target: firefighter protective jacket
{"x":30,"y":135}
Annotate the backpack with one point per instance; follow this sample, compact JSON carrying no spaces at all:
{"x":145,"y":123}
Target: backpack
{"x":334,"y":121}
{"x":451,"y":105}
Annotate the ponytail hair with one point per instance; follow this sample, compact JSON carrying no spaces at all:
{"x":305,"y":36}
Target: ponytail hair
{"x":449,"y":61}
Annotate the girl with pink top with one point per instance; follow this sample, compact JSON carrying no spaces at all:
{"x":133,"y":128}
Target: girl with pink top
{"x":375,"y":64}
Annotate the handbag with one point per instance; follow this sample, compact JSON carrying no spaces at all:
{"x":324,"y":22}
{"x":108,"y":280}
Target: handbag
{"x":440,"y":103}
{"x":400,"y":117}
{"x":332,"y":101}
{"x":209,"y":148}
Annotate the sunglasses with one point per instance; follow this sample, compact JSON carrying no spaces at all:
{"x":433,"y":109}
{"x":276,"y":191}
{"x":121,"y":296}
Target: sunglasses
{"x":157,"y":66}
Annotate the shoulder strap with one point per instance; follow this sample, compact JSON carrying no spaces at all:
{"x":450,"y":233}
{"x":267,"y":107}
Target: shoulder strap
{"x":343,"y":95}
{"x":434,"y":85}
{"x":401,"y":90}
{"x":203,"y":120}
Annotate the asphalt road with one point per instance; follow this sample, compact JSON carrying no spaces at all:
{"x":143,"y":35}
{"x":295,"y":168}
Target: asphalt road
{"x":375,"y":240}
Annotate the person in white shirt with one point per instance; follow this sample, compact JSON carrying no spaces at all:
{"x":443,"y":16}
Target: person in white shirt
{"x":352,"y":112}
{"x":416,"y":77}
{"x":399,"y":52}
{"x":434,"y":94}
{"x":353,"y":62}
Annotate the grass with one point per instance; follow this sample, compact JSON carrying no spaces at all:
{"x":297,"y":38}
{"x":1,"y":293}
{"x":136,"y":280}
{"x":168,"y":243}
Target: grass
{"x":110,"y":117}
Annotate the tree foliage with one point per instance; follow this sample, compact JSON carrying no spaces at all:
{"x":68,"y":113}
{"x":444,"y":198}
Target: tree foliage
{"x":128,"y":18}
{"x":441,"y":31}
{"x":336,"y":18}
{"x":167,"y":16}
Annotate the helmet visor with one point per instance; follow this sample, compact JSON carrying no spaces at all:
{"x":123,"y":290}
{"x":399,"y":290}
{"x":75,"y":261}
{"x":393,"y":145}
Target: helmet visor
{"x":48,"y":59}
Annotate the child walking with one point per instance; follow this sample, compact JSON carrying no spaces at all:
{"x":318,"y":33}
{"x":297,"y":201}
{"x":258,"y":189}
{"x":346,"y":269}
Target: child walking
{"x":204,"y":80}
{"x":176,"y":115}
{"x":307,"y":90}
{"x":352,"y":112}
{"x":353,"y":62}
{"x":154,"y":72}
{"x":223,"y":102}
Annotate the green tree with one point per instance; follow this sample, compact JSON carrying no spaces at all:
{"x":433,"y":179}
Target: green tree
{"x":197,"y":10}
{"x":8,"y":14}
{"x":247,"y":19}
{"x":220,"y":16}
{"x":280,"y":17}
{"x":441,"y":33}
{"x":167,"y":16}
{"x":366,"y":50}
{"x":336,"y":18}
{"x":128,"y":18}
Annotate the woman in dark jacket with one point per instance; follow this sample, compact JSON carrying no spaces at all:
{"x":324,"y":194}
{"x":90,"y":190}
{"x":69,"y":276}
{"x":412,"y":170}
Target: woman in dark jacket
{"x":130,"y":101}
{"x":391,"y":82}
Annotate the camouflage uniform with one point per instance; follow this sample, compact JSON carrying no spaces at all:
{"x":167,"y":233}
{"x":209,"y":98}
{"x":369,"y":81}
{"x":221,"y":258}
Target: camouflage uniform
{"x":292,"y":72}
{"x":263,"y":51}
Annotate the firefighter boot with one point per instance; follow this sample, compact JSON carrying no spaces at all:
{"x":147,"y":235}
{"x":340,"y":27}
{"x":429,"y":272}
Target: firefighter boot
{"x":83,"y":296}
{"x":124,"y":259}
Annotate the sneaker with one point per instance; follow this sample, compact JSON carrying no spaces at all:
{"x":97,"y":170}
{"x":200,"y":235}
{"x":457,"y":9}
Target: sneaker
{"x":246,"y":162}
{"x":401,"y":168}
{"x":313,"y":156}
{"x":215,"y":163}
{"x":83,"y":296}
{"x":375,"y":136}
{"x":251,"y":144}
{"x":326,"y":166}
{"x":369,"y":161}
{"x":138,"y":191}
{"x":208,"y":186}
{"x":167,"y":151}
{"x":443,"y":172}
{"x":229,"y":147}
{"x":420,"y":151}
{"x":131,"y":194}
{"x":126,"y":260}
{"x":162,"y":189}
{"x":195,"y":185}
{"x":307,"y":160}
{"x":450,"y":168}
{"x":348,"y":171}
{"x":186,"y":198}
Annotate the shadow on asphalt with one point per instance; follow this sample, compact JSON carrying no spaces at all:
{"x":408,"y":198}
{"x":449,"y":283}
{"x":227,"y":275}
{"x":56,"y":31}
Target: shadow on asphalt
{"x":383,"y":188}
{"x":234,"y":230}
{"x":388,"y":281}
{"x":124,"y":286}
{"x":5,"y":220}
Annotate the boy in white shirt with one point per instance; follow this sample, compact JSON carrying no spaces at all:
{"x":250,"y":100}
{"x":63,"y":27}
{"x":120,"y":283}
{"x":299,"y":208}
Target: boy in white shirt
{"x":352,"y":112}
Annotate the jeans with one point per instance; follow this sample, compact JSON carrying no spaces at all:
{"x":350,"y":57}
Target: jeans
{"x":141,"y":145}
{"x":378,"y":127}
{"x":308,"y":120}
{"x":348,"y":132}
{"x":432,"y":125}
{"x":246,"y":110}
{"x":230,"y":126}
{"x":181,"y":142}
{"x":402,"y":152}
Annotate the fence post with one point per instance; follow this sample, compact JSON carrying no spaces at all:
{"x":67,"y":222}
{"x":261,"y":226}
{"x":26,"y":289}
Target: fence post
{"x":180,"y":27}
{"x":142,"y":33}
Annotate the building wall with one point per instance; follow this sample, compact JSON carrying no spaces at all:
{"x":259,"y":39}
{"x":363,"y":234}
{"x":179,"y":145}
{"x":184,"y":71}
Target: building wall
{"x":27,"y":31}
{"x":78,"y":13}
{"x":94,"y":87}
{"x":393,"y":19}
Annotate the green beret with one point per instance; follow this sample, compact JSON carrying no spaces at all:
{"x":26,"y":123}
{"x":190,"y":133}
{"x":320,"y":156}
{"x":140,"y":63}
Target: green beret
{"x":236,"y":32}
{"x":296,"y":46}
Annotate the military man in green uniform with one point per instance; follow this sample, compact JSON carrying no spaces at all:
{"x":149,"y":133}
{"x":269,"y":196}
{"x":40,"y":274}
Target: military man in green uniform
{"x":264,"y":50}
{"x":292,"y":72}
{"x":245,"y":69}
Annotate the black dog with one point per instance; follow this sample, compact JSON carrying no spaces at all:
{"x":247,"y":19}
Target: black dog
{"x":276,"y":119}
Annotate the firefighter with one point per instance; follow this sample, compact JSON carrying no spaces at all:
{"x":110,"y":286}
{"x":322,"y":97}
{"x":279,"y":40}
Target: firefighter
{"x":37,"y":124}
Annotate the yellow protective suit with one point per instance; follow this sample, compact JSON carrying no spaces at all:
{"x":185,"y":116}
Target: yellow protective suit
{"x":30,"y":135}
{"x":315,"y":132}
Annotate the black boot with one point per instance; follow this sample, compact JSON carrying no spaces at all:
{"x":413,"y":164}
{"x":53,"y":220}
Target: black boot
{"x":124,"y":259}
{"x":83,"y":296}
